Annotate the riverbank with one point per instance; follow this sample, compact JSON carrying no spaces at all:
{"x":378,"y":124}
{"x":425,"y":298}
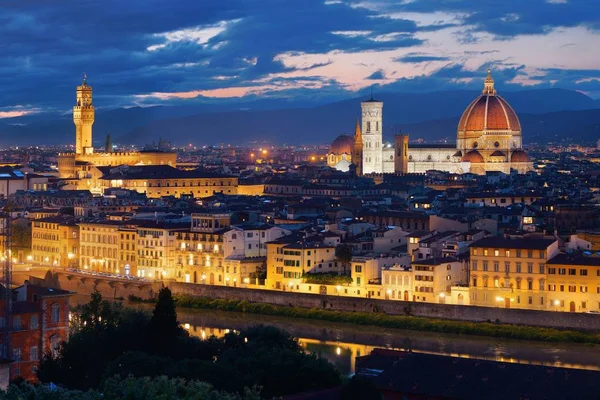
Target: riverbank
{"x":394,"y":321}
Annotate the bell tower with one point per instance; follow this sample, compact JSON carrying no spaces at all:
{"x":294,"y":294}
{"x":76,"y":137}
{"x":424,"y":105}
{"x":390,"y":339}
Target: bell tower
{"x":83,"y":118}
{"x":372,"y":126}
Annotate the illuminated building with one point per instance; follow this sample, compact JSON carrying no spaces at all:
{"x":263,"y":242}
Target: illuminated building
{"x":573,"y":283}
{"x":100,"y":246}
{"x":80,"y":163}
{"x":511,"y":273}
{"x":199,"y":250}
{"x":156,"y":243}
{"x":55,"y":242}
{"x":488,"y":139}
{"x":161,"y":180}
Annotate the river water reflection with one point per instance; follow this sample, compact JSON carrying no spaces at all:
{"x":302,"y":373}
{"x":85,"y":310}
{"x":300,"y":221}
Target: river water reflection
{"x":341,"y":343}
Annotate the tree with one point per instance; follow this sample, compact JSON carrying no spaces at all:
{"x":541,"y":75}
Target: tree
{"x":343,"y":253}
{"x":98,"y":313}
{"x":163,"y":324}
{"x":132,"y":389}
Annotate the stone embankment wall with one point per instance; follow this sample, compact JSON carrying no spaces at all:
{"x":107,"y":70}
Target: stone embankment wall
{"x":113,"y":288}
{"x":395,"y":307}
{"x":109,"y":288}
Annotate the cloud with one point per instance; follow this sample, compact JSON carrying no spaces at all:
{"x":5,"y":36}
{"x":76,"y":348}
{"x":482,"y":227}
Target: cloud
{"x":144,"y":52}
{"x":17,"y":111}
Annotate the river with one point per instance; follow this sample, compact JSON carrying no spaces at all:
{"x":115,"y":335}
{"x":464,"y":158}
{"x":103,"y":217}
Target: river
{"x":341,"y":343}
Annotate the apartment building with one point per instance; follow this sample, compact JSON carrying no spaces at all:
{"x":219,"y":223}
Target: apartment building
{"x":38,"y":324}
{"x":573,"y":282}
{"x":55,"y":242}
{"x":199,"y":249}
{"x":156,"y":244}
{"x":433,"y":278}
{"x":511,"y":272}
{"x":302,"y":257}
{"x":127,"y":260}
{"x":99,"y":246}
{"x":367,"y":270}
{"x":275,"y":261}
{"x":250,"y":240}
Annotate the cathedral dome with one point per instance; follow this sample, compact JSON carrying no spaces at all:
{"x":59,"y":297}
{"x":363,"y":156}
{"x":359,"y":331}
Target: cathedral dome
{"x":343,"y":144}
{"x":519,"y":156}
{"x":473,"y":157}
{"x":488,"y":113}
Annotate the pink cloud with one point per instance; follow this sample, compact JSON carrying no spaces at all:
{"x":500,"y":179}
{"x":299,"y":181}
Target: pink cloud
{"x":17,"y":112}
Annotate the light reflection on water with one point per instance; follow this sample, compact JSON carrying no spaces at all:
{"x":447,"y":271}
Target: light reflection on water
{"x":343,"y":354}
{"x":342,"y":343}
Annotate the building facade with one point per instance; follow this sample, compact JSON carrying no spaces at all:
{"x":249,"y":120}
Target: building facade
{"x":488,"y":139}
{"x":79,"y":163}
{"x":55,"y":242}
{"x":511,"y":273}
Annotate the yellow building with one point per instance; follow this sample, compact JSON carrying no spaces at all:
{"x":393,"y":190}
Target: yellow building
{"x":160,"y":180}
{"x":199,"y":250}
{"x":80,"y":163}
{"x":300,"y":258}
{"x":275,"y":263}
{"x":573,"y":283}
{"x":127,"y":250}
{"x":511,"y":273}
{"x":99,"y":246}
{"x":55,"y":242}
{"x":156,"y":245}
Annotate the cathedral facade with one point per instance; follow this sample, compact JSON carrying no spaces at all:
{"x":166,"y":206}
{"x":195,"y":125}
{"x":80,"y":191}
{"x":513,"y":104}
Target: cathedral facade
{"x":80,"y":164}
{"x":488,"y":139}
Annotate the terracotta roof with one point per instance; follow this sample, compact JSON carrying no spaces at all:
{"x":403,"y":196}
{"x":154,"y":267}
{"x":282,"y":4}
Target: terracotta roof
{"x":342,"y":144}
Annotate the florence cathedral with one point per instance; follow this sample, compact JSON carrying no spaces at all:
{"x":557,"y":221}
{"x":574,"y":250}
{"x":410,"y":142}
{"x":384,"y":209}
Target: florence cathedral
{"x":488,"y":139}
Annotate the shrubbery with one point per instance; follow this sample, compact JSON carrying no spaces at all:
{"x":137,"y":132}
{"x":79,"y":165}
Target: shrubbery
{"x":132,"y":389}
{"x":395,"y":321}
{"x":326,"y":278}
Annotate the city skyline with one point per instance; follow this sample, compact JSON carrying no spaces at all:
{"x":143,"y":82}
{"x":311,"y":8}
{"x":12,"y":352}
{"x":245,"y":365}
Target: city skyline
{"x":330,"y":50}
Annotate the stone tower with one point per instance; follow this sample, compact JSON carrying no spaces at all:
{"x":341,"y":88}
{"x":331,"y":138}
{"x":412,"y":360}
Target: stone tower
{"x":401,"y":154}
{"x":83,"y":117}
{"x":357,"y":152}
{"x":108,"y":147}
{"x":372,"y":127}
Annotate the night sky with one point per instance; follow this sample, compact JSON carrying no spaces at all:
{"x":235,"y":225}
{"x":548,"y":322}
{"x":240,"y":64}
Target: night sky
{"x":178,"y":52}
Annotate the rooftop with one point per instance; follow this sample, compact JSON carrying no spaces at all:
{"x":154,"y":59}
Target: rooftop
{"x":518,"y":243}
{"x":575,"y":259}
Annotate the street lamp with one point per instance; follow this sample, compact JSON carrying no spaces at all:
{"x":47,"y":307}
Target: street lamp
{"x":338,"y":289}
{"x":557,"y":304}
{"x":498,"y":300}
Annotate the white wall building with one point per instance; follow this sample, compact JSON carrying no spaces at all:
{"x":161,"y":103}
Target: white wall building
{"x":245,"y":241}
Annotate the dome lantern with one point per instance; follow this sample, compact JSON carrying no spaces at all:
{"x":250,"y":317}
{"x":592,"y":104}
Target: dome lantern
{"x":488,"y":84}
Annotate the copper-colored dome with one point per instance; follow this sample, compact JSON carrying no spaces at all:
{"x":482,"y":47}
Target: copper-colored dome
{"x":519,"y":156}
{"x":342,"y":144}
{"x":498,"y":153}
{"x":473,"y":157}
{"x":488,"y":112}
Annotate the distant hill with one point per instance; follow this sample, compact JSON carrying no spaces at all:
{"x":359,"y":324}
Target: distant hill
{"x":427,"y":115}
